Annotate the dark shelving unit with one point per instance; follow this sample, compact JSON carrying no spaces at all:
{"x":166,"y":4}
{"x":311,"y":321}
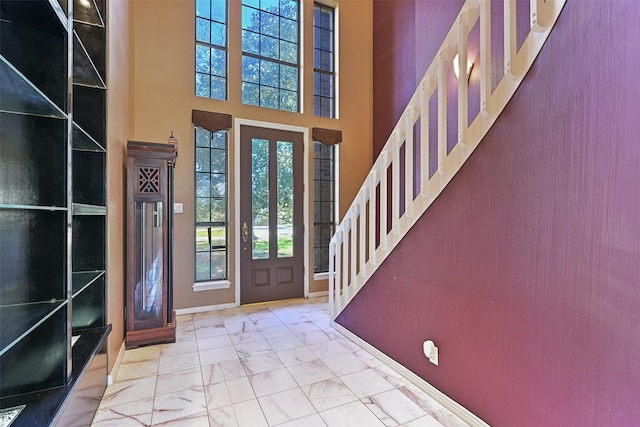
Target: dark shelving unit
{"x":53,"y":363}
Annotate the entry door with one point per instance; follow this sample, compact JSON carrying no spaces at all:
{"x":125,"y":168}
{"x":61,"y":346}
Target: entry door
{"x":271,"y":215}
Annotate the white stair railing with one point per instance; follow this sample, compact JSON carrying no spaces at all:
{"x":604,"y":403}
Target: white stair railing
{"x":371,"y":228}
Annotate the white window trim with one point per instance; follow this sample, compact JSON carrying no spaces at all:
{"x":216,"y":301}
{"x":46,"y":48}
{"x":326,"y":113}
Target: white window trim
{"x":329,"y":3}
{"x":324,"y":275}
{"x":222,"y":283}
{"x":212,"y":285}
{"x":321,"y":276}
{"x":336,"y":54}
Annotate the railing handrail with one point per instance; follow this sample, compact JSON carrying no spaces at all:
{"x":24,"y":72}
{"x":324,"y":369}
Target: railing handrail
{"x":367,"y":234}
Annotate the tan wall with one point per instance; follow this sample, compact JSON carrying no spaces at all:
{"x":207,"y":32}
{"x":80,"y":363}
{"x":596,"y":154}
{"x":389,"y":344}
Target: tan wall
{"x":163,"y":90}
{"x":119,"y":120}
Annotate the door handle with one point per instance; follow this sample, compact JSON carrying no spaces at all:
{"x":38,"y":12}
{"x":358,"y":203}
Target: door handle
{"x":245,"y":232}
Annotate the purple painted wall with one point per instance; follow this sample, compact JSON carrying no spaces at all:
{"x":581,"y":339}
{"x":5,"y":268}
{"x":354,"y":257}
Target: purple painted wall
{"x":526,"y":270}
{"x":393,"y":65}
{"x":405,"y":40}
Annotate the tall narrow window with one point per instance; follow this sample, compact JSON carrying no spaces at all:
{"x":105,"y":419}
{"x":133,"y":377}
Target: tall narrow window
{"x":211,"y":48}
{"x":260,"y":197}
{"x":323,"y":61}
{"x":270,"y":54}
{"x":285,"y":198}
{"x":211,"y":205}
{"x":323,"y":204}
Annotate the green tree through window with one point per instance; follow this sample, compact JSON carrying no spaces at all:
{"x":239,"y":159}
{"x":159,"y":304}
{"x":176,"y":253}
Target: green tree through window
{"x":211,"y":205}
{"x":211,"y":49}
{"x":270,"y":54}
{"x":262,"y":161}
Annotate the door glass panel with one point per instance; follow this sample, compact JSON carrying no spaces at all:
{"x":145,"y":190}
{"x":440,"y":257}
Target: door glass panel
{"x":260,"y":197}
{"x":285,"y":199}
{"x":149,"y":274}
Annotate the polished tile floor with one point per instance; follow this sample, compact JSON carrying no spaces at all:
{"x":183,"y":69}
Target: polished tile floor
{"x":272,"y":364}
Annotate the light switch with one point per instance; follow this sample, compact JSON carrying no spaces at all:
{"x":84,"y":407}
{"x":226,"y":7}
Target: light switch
{"x":177,"y":208}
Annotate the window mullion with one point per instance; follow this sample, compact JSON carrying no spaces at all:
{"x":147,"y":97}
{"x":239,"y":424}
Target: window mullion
{"x":324,"y":54}
{"x":211,"y":34}
{"x":211,"y":237}
{"x":266,"y":58}
{"x":271,"y":55}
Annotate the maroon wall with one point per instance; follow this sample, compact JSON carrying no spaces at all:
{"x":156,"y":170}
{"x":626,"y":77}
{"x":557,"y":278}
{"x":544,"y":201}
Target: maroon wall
{"x":526,"y":270}
{"x":406,"y":38}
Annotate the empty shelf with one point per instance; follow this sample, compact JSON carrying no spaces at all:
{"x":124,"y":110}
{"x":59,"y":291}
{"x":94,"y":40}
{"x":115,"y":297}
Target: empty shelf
{"x":19,"y":95}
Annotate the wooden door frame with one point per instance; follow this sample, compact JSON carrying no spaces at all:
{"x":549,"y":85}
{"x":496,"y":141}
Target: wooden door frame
{"x":236,"y":188}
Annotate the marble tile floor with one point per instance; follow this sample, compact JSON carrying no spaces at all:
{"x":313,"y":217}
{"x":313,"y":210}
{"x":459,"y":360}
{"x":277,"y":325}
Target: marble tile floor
{"x":272,"y":364}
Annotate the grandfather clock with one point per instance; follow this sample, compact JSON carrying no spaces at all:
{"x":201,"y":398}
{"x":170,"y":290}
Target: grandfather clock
{"x":149,"y":312}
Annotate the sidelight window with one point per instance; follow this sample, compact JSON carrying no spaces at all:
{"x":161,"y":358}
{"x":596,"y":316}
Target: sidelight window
{"x":324,"y":202}
{"x":211,"y":185}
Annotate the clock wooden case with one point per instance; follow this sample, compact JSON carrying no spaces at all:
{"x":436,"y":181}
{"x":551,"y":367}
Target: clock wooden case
{"x":149,"y":312}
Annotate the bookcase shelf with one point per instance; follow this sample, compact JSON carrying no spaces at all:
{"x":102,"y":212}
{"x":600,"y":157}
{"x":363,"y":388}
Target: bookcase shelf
{"x":82,"y":141}
{"x":19,"y":95}
{"x":52,"y":209}
{"x":84,"y":71}
{"x":22,"y":319}
{"x":87,"y":12}
{"x":82,"y":279}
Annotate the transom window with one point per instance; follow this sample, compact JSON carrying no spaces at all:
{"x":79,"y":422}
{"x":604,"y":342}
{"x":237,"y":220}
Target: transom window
{"x":324,"y":181}
{"x":211,"y":49}
{"x":270,"y":54}
{"x":323,"y":61}
{"x":211,"y":205}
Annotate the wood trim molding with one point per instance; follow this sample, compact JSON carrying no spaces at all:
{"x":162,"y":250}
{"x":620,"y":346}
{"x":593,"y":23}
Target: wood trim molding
{"x":211,"y":121}
{"x":153,"y":150}
{"x":327,"y":136}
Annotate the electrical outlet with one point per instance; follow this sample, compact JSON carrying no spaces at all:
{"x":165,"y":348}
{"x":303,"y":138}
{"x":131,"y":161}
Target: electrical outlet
{"x":433,"y":358}
{"x":431,"y":351}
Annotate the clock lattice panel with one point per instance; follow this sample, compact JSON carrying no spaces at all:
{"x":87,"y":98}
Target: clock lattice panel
{"x":148,"y":180}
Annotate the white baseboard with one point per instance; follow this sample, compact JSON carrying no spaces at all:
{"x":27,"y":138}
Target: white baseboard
{"x":192,"y":310}
{"x":318,"y":294}
{"x":116,"y":366}
{"x":453,"y":406}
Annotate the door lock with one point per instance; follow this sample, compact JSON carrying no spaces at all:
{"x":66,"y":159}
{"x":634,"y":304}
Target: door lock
{"x":245,"y":232}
